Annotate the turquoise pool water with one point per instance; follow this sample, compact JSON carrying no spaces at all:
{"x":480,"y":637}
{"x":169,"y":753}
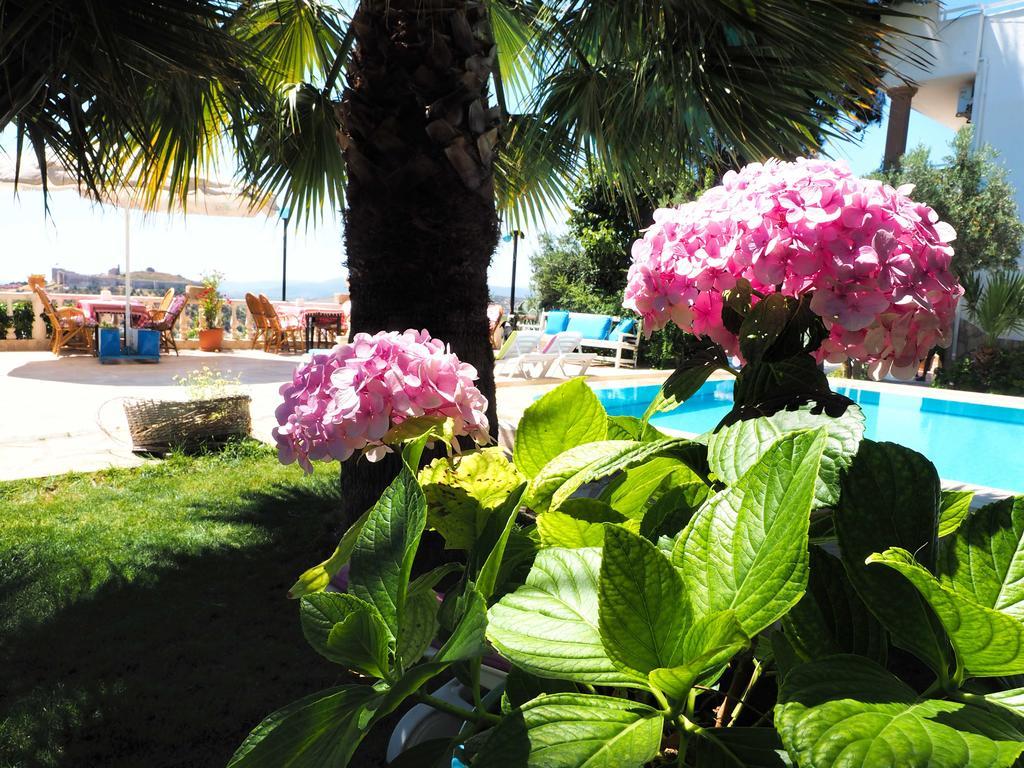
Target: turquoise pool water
{"x":967,"y":442}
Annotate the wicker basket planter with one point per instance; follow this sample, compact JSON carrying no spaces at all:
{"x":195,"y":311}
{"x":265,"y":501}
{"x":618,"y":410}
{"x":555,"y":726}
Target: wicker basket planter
{"x":157,"y":426}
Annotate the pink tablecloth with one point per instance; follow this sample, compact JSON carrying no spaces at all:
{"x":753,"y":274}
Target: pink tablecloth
{"x":91,"y":308}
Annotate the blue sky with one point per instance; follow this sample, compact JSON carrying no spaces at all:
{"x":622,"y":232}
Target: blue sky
{"x":89,"y":238}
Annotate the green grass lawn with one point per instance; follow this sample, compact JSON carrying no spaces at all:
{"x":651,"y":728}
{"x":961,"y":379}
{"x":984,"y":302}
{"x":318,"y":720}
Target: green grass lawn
{"x":143,"y":618}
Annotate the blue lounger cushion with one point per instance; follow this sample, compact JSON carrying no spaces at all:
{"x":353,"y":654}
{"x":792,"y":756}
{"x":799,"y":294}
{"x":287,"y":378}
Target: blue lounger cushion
{"x":628,"y":325}
{"x":555,"y":321}
{"x":589,"y":326}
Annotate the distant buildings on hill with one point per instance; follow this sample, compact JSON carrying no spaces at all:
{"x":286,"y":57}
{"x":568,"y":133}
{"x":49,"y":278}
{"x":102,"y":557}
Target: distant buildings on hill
{"x":145,"y":281}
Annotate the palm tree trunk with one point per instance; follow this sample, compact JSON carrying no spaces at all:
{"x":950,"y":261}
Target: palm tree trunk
{"x":420,"y":218}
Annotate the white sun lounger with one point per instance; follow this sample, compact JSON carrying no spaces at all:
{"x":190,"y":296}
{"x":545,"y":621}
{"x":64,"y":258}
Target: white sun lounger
{"x":566,"y":346}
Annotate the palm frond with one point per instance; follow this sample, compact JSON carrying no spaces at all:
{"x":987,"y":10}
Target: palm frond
{"x":640,"y":87}
{"x":293,"y":41}
{"x":999,"y":309}
{"x":78,"y":74}
{"x":295,"y":153}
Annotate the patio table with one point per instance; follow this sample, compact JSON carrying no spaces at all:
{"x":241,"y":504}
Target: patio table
{"x":313,"y":317}
{"x":93,"y":308}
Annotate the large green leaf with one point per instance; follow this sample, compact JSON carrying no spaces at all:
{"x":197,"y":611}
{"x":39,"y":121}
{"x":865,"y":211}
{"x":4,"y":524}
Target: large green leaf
{"x":463,"y":492}
{"x":632,"y":492}
{"x":409,"y":683}
{"x":319,"y":576}
{"x":567,"y":416}
{"x":632,"y":428}
{"x":467,"y":640}
{"x":548,"y":626}
{"x":642,"y":615}
{"x":746,"y":549}
{"x":984,"y":561}
{"x":990,"y":643}
{"x":320,"y":730}
{"x":1012,"y":700}
{"x":733,"y":449}
{"x":847,"y":711}
{"x":574,"y":730}
{"x":890,"y":498}
{"x":487,"y":578}
{"x":347,"y":631}
{"x":954,"y":507}
{"x":578,"y":523}
{"x":384,"y":550}
{"x":706,"y":648}
{"x":831,"y":618}
{"x":685,"y":380}
{"x":673,"y":509}
{"x":562,"y":476}
{"x":419,"y":625}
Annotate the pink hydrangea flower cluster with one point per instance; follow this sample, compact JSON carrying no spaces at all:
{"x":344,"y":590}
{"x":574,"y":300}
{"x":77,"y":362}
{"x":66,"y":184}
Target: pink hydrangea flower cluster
{"x":348,"y":400}
{"x":878,"y":263}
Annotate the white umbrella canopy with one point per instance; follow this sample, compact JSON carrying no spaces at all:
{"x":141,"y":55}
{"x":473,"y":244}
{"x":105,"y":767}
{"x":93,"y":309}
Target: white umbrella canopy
{"x":207,"y":197}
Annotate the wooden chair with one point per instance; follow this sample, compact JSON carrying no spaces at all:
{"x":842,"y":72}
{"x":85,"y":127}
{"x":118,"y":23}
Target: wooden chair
{"x":163,"y":320}
{"x":281,"y":331}
{"x":259,"y":320}
{"x":70,"y":327}
{"x":165,"y":302}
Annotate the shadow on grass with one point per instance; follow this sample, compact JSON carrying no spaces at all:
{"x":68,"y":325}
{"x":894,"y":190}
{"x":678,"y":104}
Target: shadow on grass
{"x":173,"y":668}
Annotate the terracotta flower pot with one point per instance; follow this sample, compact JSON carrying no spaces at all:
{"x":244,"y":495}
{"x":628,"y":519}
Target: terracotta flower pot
{"x":211,"y":339}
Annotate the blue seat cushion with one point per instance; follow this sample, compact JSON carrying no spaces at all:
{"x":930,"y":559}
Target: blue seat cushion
{"x":628,"y":325}
{"x":589,"y":326}
{"x":555,"y":321}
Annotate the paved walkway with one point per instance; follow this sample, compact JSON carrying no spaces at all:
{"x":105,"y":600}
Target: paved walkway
{"x":65,"y":414}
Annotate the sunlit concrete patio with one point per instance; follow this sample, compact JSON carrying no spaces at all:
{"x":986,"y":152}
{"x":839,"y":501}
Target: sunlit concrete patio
{"x":66,"y":414}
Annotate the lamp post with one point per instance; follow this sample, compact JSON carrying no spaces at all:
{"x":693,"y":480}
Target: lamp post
{"x":514,"y":236}
{"x":286,"y":213}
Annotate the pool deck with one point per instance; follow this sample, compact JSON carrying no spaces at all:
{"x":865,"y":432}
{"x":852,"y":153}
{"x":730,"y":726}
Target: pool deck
{"x":65,"y":414}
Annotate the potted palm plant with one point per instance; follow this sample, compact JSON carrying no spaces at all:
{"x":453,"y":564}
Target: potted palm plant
{"x":211,"y":305}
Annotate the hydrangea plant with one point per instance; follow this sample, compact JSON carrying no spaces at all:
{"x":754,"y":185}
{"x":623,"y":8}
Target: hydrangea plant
{"x":875,"y":263}
{"x":374,"y":391}
{"x":780,"y":591}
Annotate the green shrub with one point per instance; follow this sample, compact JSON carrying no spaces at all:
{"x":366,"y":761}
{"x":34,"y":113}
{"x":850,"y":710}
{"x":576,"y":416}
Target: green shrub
{"x":998,"y":371}
{"x":23,"y":317}
{"x":5,"y":321}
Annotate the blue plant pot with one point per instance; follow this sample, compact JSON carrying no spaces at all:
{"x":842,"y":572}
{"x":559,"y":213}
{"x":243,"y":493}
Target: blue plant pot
{"x":149,"y":344}
{"x":110,"y":342}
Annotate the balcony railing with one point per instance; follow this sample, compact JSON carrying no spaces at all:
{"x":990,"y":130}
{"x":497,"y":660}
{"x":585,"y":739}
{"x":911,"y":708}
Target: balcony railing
{"x":236,"y":320}
{"x":951,"y":13}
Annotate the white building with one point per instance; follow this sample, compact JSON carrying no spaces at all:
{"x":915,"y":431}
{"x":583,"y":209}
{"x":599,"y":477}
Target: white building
{"x":976,"y":74}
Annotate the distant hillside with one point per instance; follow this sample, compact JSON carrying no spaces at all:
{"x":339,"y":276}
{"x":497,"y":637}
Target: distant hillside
{"x":297,"y":289}
{"x":325,"y":289}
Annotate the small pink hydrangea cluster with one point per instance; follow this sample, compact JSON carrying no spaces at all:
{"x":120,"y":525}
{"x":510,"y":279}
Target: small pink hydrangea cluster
{"x":348,"y":400}
{"x":877,"y":262}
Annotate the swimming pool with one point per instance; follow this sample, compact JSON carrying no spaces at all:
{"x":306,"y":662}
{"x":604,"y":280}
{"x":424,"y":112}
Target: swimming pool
{"x":967,"y":442}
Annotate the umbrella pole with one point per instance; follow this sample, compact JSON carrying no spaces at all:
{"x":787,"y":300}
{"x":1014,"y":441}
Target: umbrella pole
{"x":127,"y":280}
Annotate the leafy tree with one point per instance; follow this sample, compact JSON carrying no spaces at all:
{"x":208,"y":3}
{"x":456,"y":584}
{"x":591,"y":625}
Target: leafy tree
{"x":585,"y":270}
{"x":972,"y":191}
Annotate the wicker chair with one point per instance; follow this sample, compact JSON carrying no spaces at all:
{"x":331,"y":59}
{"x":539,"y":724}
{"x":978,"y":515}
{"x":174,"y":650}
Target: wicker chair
{"x":70,"y":327}
{"x":164,"y":320}
{"x":259,"y":320}
{"x":165,"y":302}
{"x":281,"y":331}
